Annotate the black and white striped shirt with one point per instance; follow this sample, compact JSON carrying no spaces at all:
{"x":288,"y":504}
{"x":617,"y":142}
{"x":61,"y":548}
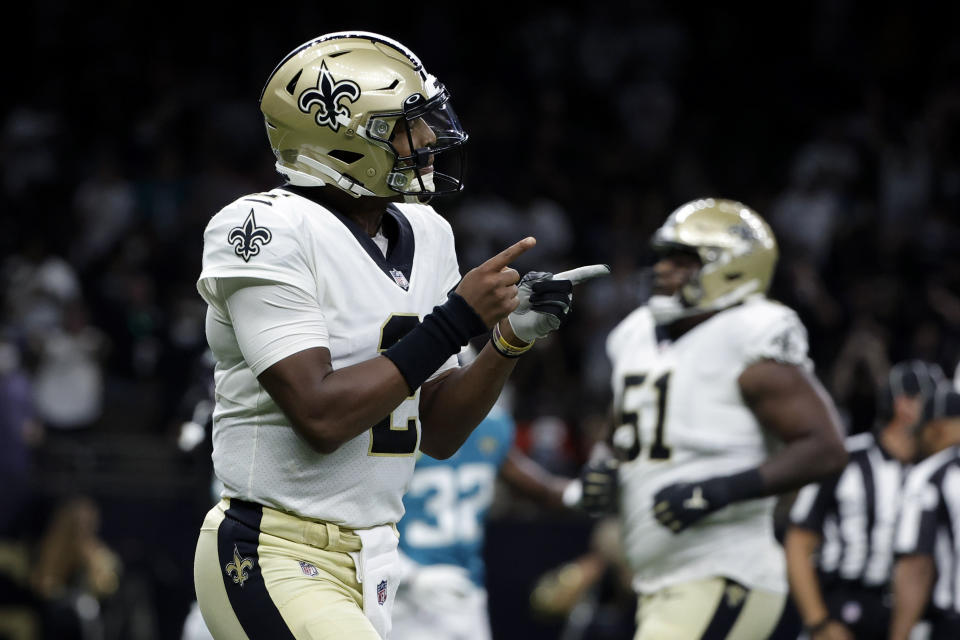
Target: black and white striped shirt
{"x":856,"y":513}
{"x":930,"y":522}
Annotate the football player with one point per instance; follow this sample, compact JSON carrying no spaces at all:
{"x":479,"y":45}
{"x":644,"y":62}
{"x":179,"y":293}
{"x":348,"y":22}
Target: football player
{"x":716,"y":412}
{"x":336,"y":310}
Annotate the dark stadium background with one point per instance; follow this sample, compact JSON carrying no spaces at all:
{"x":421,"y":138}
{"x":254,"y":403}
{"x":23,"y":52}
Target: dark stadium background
{"x":125,"y":128}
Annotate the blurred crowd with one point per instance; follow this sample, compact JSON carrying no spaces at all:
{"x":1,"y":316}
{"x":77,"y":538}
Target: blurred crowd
{"x":841,"y":126}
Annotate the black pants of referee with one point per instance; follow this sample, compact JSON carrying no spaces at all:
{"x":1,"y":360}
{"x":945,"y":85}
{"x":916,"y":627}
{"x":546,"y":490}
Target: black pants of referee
{"x":944,"y":626}
{"x":866,"y":612}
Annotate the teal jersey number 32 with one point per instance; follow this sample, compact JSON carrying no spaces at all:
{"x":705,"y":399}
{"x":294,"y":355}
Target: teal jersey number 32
{"x":448,"y":500}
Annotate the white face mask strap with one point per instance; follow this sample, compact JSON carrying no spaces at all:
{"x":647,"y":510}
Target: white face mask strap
{"x":353,"y":125}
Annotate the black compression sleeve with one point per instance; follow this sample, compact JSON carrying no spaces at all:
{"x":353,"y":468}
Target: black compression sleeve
{"x":441,"y":334}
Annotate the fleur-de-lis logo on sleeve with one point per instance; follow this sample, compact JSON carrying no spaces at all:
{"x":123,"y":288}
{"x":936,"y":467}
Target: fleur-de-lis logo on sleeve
{"x":327,"y":96}
{"x":248,"y":238}
{"x":239,"y":567}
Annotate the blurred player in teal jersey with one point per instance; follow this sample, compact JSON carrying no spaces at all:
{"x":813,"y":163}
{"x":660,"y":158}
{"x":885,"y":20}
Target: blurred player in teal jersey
{"x":442,"y":595}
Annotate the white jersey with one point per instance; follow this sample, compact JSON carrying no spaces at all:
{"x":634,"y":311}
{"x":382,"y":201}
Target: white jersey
{"x":683,"y":419}
{"x":367,"y":302}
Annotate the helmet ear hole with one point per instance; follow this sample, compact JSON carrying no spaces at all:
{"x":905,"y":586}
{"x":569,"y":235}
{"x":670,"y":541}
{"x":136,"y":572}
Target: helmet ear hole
{"x":344,"y":156}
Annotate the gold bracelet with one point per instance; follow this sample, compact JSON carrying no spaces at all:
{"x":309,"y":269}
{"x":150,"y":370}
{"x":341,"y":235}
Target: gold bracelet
{"x":504,"y":348}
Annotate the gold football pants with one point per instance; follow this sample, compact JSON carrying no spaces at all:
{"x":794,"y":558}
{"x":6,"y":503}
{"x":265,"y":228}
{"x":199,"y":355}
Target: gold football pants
{"x":710,"y":609}
{"x":261,"y":574}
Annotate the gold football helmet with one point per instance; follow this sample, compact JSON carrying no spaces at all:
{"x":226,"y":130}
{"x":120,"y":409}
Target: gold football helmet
{"x":332,"y":107}
{"x":737,"y":252}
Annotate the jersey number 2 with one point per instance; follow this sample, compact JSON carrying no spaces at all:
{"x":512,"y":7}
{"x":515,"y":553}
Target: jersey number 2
{"x":385,"y":438}
{"x":658,"y":450}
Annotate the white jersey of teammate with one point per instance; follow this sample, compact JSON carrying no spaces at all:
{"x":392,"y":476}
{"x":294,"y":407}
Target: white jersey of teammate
{"x":367,"y":302}
{"x":683,"y":400}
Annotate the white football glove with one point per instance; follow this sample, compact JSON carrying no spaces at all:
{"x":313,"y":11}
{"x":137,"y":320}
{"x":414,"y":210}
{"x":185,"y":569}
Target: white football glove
{"x":546,"y":300}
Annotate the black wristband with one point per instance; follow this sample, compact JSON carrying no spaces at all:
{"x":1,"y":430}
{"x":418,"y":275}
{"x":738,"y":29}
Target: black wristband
{"x":734,"y":488}
{"x":441,"y":334}
{"x":746,"y":485}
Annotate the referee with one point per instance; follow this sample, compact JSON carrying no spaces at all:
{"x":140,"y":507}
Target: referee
{"x":850,"y":519}
{"x":925,"y":582}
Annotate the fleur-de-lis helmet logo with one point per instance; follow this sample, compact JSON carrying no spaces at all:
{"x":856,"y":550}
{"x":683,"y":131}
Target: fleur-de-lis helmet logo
{"x":239,"y":567}
{"x":248,"y":238}
{"x":327,"y":96}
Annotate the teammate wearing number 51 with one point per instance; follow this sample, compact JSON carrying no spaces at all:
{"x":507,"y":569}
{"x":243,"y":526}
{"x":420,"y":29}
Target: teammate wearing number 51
{"x":715,"y":411}
{"x":336,"y":310}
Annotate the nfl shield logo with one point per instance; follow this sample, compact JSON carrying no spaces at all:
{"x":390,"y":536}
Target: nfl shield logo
{"x":382,"y":592}
{"x":308,"y":569}
{"x":400,"y":279}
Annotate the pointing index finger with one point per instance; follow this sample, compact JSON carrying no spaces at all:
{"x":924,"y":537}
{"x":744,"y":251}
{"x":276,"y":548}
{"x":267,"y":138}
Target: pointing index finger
{"x":511,"y":253}
{"x":580,"y":274}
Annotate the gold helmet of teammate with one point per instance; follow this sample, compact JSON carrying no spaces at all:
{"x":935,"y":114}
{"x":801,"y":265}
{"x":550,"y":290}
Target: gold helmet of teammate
{"x":332,"y":108}
{"x":737,"y":252}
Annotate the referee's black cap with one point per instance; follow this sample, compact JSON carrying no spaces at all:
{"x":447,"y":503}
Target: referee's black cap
{"x":942,"y":403}
{"x":913,"y":377}
{"x":907,"y":378}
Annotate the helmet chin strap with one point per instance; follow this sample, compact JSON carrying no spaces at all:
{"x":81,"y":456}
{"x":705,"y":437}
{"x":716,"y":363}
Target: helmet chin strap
{"x":418,"y":196}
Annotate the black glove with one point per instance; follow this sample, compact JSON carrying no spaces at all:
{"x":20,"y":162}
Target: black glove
{"x":677,"y":506}
{"x":598,"y":480}
{"x":544,"y":305}
{"x":546,"y":300}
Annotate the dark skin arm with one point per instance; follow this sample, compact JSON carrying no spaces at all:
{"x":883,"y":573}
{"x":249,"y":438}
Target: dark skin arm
{"x":799,"y":545}
{"x":328,"y":407}
{"x":453,"y":404}
{"x":913,"y":578}
{"x":792,"y":404}
{"x":532,"y":480}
